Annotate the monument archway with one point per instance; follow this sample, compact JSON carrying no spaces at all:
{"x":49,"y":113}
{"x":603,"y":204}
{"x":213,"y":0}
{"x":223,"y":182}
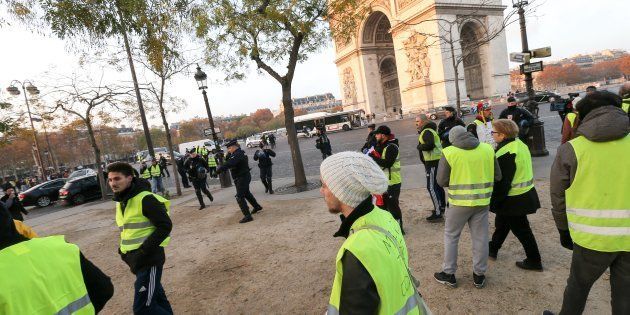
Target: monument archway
{"x":470,"y":34}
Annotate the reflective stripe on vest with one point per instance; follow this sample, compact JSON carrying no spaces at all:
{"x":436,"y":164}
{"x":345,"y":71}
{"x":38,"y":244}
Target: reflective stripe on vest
{"x":146,"y":174}
{"x":472,"y":175}
{"x":372,"y":240}
{"x":523,"y":180}
{"x":392,"y":173}
{"x":479,"y":122}
{"x":212,"y":162}
{"x":571,"y":117}
{"x":155,"y":171}
{"x":134,"y":227}
{"x":597,"y":202}
{"x":436,"y":153}
{"x":46,"y":278}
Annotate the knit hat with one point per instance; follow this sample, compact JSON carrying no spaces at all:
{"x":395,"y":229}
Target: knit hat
{"x":352,"y":177}
{"x":384,"y":130}
{"x":455,"y":133}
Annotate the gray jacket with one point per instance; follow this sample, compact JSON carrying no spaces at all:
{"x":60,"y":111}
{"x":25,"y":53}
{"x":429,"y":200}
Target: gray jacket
{"x":464,"y":141}
{"x":602,"y":124}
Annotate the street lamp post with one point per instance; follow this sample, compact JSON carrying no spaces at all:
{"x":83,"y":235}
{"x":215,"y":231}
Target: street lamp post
{"x":537,"y":141}
{"x":32,"y":89}
{"x":201,"y":79}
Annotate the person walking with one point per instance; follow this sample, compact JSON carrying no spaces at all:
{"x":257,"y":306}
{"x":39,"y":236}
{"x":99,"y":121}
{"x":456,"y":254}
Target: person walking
{"x":386,"y":155}
{"x":514,"y":196}
{"x":522,"y":117}
{"x":13,"y":203}
{"x":481,"y":127}
{"x":430,"y":150}
{"x":263,"y":156}
{"x":238,"y":164}
{"x":163,"y":165}
{"x":212,"y":163}
{"x":47,"y":275}
{"x":447,"y":123}
{"x":570,"y":124}
{"x":468,"y":168}
{"x":323,"y":143}
{"x":590,"y":204}
{"x":156,"y":172}
{"x":182,"y":170}
{"x":370,"y":141}
{"x":145,"y":226}
{"x":373,"y":273}
{"x":272,"y":140}
{"x":197,"y":170}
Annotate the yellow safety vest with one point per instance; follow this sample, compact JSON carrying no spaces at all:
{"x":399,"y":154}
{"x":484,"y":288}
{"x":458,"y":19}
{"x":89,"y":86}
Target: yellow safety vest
{"x":212,"y":161}
{"x":146,"y":174}
{"x":134,"y":226}
{"x":597,"y":202}
{"x":155,"y":170}
{"x":571,"y":117}
{"x":472,"y":175}
{"x":393,"y":172}
{"x":523,"y":180}
{"x":436,"y":153}
{"x":625,"y":105}
{"x":43,"y":276}
{"x":377,"y":242}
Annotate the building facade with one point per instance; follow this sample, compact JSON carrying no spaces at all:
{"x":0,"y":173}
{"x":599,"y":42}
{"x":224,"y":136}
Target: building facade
{"x":315,"y":103}
{"x":397,"y":59}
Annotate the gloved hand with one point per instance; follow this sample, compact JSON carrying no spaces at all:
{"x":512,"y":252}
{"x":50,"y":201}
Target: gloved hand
{"x":565,"y":239}
{"x":375,"y":154}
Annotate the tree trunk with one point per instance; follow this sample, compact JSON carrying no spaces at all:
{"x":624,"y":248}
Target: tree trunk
{"x":145,"y":124}
{"x":169,"y":140}
{"x":97,"y":155}
{"x":456,"y":72}
{"x":296,"y":155}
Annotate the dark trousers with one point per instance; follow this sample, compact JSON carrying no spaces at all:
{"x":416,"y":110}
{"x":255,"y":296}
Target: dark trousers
{"x":201,"y":186}
{"x":435,"y":191}
{"x":519,"y":225}
{"x":184,"y":178}
{"x":265,"y":176}
{"x":165,"y":168}
{"x":392,"y":204}
{"x":213,"y":171}
{"x":150,"y":297}
{"x":326,"y":153}
{"x":243,"y":194}
{"x":586,"y":267}
{"x":562,"y":114}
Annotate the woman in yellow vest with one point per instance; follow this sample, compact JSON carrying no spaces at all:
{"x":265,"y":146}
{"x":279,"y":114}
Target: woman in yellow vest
{"x":372,"y":265}
{"x":47,"y":275}
{"x":571,"y":122}
{"x":514,"y":196}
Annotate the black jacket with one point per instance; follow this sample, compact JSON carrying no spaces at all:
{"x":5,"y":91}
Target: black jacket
{"x":264,"y":157}
{"x":369,"y":142}
{"x":15,"y":207}
{"x":150,"y":252}
{"x":445,"y":126}
{"x":237,"y":163}
{"x":501,"y":203}
{"x":518,"y":115}
{"x":392,"y":153}
{"x":358,"y":289}
{"x":429,"y":143}
{"x":323,"y":143}
{"x":99,"y":286}
{"x":192,"y":165}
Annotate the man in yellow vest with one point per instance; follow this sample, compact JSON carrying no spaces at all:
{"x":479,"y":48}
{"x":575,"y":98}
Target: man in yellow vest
{"x":590,"y":202}
{"x":156,"y":172}
{"x":430,"y":149}
{"x":571,"y":122}
{"x":145,"y":226}
{"x":624,"y":92}
{"x":47,"y":275}
{"x":469,"y":169}
{"x":373,"y":275}
{"x":387,"y":156}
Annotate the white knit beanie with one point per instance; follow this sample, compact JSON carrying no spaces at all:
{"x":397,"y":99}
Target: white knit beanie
{"x":352,"y":177}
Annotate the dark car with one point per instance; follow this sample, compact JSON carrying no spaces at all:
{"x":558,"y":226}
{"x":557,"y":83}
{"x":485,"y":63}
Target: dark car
{"x":440,"y":113}
{"x":78,"y":190}
{"x":539,"y":96}
{"x":43,"y":194}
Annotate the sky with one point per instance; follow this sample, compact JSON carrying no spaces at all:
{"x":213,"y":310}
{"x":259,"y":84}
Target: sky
{"x":569,"y":26}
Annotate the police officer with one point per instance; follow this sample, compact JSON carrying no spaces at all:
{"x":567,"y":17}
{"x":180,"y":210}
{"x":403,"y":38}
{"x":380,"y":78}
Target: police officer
{"x":197,"y":169}
{"x":238,"y":164}
{"x":263,"y":156}
{"x":145,"y":226}
{"x":323,"y":143}
{"x":387,"y":156}
{"x":182,"y":170}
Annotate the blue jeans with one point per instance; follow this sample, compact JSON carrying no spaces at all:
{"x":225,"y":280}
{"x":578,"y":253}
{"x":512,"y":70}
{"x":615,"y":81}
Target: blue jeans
{"x":156,"y":185}
{"x":150,"y":297}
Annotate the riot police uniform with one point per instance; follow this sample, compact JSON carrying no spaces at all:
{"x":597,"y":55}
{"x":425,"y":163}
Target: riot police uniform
{"x":197,"y":169}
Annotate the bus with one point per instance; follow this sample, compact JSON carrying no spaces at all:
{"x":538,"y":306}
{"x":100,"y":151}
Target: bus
{"x":346,"y":120}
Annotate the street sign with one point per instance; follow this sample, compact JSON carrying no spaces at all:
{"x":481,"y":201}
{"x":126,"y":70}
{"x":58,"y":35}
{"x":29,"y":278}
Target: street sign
{"x":208,"y":132}
{"x":541,"y":52}
{"x":519,"y":57}
{"x":531,"y":67}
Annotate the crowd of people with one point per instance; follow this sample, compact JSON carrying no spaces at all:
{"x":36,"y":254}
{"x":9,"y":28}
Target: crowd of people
{"x":486,"y":167}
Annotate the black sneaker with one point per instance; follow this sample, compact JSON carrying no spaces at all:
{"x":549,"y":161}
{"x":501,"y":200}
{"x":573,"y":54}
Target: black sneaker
{"x":479,"y":281}
{"x":211,"y":198}
{"x":547,"y":312}
{"x":256,"y":210}
{"x":527,"y":265}
{"x":435,"y":217}
{"x":270,"y":191}
{"x":202,"y":207}
{"x":246,"y":219}
{"x":493,"y":255}
{"x":446,"y":278}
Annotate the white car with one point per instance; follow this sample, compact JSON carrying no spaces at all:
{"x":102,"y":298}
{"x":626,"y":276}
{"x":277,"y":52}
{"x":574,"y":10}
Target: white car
{"x":253,"y":142}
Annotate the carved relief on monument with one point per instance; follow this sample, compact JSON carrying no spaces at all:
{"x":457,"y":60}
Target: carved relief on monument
{"x":349,"y":87}
{"x":419,"y":63}
{"x":402,"y":4}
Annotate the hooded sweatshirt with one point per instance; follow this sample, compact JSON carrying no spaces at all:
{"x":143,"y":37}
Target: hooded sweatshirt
{"x":462,"y":139}
{"x":602,"y":124}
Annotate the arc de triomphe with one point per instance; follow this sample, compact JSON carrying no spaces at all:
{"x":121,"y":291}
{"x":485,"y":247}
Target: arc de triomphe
{"x":391,"y":64}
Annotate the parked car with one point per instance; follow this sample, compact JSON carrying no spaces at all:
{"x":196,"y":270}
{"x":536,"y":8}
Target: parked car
{"x":81,"y":173}
{"x":43,"y":194}
{"x":539,"y":96}
{"x":253,"y":141}
{"x":79,"y":190}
